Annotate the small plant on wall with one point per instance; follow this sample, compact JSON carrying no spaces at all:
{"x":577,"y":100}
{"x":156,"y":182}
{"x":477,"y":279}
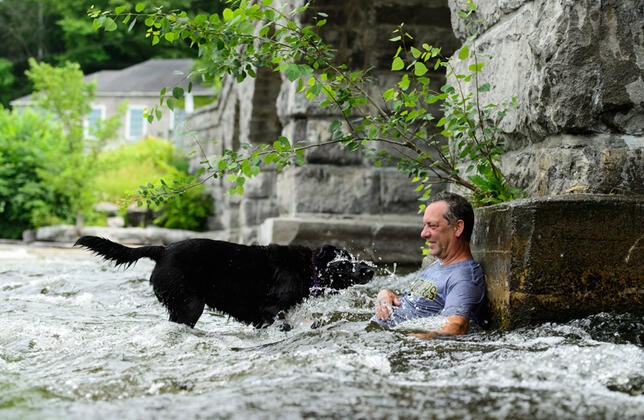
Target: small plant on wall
{"x":461,"y":147}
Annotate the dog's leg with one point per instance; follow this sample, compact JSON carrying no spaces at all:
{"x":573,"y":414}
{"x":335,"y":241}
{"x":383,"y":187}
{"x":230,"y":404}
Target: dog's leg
{"x":188,"y":312}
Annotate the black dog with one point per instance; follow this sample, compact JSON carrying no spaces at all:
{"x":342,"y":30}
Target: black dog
{"x":249,"y":282}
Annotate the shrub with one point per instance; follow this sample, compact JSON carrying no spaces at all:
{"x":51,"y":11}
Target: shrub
{"x":121,"y":171}
{"x":32,"y":153}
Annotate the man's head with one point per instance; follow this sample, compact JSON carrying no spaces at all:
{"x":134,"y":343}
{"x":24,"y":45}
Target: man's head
{"x":458,"y":208}
{"x":447,"y":225}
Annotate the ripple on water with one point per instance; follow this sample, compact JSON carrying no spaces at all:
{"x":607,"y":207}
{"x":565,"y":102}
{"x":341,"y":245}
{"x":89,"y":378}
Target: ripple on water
{"x":81,"y":339}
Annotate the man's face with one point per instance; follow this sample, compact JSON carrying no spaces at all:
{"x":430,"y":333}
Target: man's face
{"x":436,"y":231}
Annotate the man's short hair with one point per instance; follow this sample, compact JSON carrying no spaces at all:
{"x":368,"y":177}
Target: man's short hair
{"x":458,"y":208}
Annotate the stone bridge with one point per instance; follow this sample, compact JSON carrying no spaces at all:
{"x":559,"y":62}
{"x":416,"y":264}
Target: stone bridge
{"x":575,"y":68}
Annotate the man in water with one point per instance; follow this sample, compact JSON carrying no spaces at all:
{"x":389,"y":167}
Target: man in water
{"x":453,"y":286}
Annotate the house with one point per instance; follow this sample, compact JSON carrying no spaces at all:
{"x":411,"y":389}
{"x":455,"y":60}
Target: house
{"x":139,"y":86}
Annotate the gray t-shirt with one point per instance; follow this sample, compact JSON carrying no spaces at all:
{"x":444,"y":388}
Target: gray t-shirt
{"x":453,"y":289}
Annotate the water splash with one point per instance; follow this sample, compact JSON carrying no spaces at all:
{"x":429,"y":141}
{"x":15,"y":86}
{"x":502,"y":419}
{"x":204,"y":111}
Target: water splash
{"x":80,"y":339}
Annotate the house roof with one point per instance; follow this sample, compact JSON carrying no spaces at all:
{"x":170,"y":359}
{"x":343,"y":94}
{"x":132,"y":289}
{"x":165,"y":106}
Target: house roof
{"x":147,"y":78}
{"x":143,"y":79}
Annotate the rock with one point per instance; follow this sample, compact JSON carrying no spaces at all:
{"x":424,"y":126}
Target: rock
{"x":559,"y":258}
{"x":574,"y":68}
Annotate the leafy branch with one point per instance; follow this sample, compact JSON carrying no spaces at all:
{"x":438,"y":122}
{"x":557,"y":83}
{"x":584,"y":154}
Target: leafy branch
{"x":463,"y":147}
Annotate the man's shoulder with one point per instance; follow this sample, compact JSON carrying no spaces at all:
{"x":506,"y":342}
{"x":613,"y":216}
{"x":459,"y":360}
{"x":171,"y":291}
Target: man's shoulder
{"x":469,"y":270}
{"x":466,"y":269}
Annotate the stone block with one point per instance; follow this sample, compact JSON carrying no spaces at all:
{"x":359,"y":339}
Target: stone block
{"x":315,"y":131}
{"x":383,"y":240}
{"x":558,"y":258}
{"x":260,"y":186}
{"x":329,"y":189}
{"x":564,"y":164}
{"x":253,"y":212}
{"x":398,"y":194}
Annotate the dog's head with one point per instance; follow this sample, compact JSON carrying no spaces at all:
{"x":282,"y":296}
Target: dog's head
{"x":337,"y":269}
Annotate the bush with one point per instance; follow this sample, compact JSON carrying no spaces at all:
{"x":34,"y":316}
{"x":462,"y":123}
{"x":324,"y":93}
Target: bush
{"x":189,"y":210}
{"x":121,"y":171}
{"x":32,"y":153}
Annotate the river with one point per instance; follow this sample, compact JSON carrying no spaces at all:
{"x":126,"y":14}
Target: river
{"x":81,"y":339}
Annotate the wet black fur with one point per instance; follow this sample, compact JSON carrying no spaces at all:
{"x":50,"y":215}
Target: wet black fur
{"x":249,"y":282}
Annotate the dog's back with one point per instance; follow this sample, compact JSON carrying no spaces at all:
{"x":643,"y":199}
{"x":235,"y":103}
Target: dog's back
{"x":250,"y":282}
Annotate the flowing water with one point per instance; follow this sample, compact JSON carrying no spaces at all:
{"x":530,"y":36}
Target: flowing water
{"x":81,"y":339}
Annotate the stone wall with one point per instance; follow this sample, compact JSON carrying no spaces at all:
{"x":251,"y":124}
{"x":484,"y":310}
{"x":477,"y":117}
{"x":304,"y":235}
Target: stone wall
{"x":575,"y":68}
{"x":559,"y":258}
{"x":335,"y":187}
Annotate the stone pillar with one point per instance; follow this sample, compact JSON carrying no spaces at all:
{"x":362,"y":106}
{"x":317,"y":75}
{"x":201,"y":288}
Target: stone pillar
{"x":575,"y":68}
{"x":559,"y":258}
{"x":336,"y":188}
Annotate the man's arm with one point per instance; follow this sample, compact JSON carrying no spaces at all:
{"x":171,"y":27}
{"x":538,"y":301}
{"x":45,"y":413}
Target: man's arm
{"x":456,"y":325}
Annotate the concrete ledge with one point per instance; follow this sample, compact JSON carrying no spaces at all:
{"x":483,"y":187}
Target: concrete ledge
{"x":151,"y":235}
{"x":385,"y":240}
{"x":557,"y":258}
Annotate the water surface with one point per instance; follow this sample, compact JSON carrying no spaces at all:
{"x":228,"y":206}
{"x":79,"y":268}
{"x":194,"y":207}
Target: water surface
{"x":81,"y":339}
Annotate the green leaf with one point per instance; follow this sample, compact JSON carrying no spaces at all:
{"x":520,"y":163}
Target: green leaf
{"x":177,"y":92}
{"x":227,"y":14}
{"x":476,"y":67}
{"x":335,"y":126}
{"x":292,"y":72}
{"x":463,"y":53}
{"x":110,"y":25}
{"x":139,"y":7}
{"x":419,"y":68}
{"x":404,"y":83}
{"x":397,"y":64}
{"x":169,"y":36}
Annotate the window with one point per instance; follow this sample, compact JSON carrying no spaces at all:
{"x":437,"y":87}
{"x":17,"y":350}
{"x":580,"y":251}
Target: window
{"x":92,"y":120}
{"x":135,"y":123}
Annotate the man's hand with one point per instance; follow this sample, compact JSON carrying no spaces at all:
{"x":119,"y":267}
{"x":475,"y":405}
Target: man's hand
{"x":456,"y":325}
{"x":385,"y":300}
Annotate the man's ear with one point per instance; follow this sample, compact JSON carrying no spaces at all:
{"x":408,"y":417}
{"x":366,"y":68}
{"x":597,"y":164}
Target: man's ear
{"x":459,"y":227}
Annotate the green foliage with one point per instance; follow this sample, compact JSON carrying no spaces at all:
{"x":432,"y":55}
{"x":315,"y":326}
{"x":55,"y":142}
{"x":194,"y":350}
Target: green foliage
{"x":45,"y":160}
{"x":120,"y":171}
{"x":6,"y":79}
{"x":32,"y":155}
{"x":59,"y":31}
{"x":63,"y":93}
{"x":189,"y":210}
{"x":123,"y":169}
{"x":463,"y":147}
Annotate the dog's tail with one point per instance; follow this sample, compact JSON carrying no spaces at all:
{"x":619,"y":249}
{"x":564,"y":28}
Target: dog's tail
{"x":118,"y":253}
